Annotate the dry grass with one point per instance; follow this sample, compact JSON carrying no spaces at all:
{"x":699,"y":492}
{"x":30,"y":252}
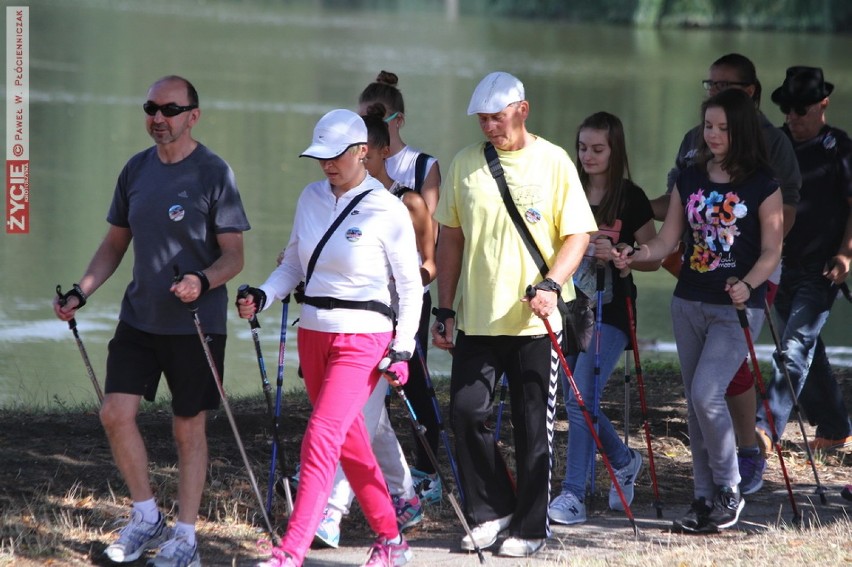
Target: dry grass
{"x":61,"y":498}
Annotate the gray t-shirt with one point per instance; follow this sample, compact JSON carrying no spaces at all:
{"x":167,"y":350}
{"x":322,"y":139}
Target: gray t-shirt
{"x":174,"y":212}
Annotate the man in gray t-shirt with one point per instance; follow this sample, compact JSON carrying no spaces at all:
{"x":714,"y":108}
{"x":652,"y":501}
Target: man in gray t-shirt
{"x":178,"y":204}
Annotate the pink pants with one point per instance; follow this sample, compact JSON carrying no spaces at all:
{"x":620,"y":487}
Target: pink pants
{"x":340,"y":373}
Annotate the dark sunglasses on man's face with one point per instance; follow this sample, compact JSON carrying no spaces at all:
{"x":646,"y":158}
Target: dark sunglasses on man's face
{"x":800,"y":110}
{"x":169,"y":109}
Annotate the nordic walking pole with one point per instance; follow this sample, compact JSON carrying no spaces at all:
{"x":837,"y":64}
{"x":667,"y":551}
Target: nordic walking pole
{"x":438,"y":419}
{"x":254,"y":325}
{"x":627,"y":378}
{"x":782,"y":361}
{"x":640,"y":382}
{"x":283,"y":484}
{"x":193,"y":309}
{"x":600,"y":271}
{"x":504,"y":387}
{"x":761,"y":387}
{"x":585,"y":411}
{"x":72,"y":324}
{"x":384,"y":364}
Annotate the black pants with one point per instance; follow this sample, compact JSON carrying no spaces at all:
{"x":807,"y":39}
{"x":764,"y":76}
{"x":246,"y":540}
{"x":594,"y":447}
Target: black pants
{"x":489,"y":489}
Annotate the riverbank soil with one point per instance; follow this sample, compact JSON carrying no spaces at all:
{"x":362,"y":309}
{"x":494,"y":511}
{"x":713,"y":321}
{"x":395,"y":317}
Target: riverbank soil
{"x":61,"y":497}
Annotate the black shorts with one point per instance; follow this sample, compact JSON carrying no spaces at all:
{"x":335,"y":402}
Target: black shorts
{"x":137,"y":359}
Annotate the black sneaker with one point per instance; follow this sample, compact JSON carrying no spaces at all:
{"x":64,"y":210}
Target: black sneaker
{"x":726,"y":507}
{"x":696,"y":520}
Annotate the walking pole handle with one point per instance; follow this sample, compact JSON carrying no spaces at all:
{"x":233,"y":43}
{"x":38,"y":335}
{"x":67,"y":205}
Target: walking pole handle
{"x":741,"y":312}
{"x":242,"y":293}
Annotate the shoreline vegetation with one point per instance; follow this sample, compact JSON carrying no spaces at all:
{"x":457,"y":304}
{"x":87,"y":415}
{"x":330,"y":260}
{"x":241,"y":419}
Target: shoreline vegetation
{"x":61,"y":497}
{"x":829,"y":16}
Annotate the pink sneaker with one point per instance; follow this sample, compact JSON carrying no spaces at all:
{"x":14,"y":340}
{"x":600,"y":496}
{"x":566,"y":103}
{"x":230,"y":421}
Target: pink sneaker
{"x":280,"y":558}
{"x":386,"y":554}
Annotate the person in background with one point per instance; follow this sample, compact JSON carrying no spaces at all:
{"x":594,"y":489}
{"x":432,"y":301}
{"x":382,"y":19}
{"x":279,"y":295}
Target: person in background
{"x":623,"y":215}
{"x":736,"y":71}
{"x":346,"y":328}
{"x":419,"y":171}
{"x":178,"y":203}
{"x":817,"y":257}
{"x":484,"y":270}
{"x":384,"y":441}
{"x":730,"y":206}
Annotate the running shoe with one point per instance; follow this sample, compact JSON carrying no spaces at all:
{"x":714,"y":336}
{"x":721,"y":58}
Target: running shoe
{"x":177,"y":552}
{"x":136,"y":537}
{"x":408,"y":512}
{"x":751,"y":468}
{"x":519,"y":547}
{"x":328,"y":532}
{"x":485,"y":534}
{"x":427,"y":486}
{"x":567,"y":509}
{"x":726,"y":508}
{"x":387,"y":554}
{"x":626,"y":477}
{"x":696,"y":519}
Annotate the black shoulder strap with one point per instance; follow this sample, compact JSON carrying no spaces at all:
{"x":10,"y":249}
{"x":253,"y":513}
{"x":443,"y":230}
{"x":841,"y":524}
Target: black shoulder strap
{"x":420,"y":170}
{"x":496,"y":168}
{"x":313,"y":261}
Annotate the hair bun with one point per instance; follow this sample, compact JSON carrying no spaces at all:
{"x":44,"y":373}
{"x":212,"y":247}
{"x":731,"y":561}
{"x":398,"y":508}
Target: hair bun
{"x":387,"y":78}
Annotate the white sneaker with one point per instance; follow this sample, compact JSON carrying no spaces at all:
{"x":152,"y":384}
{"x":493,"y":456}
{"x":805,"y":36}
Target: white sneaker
{"x":136,"y":537}
{"x":519,"y":547}
{"x":567,"y":509}
{"x":626,"y":477}
{"x":485,"y":534}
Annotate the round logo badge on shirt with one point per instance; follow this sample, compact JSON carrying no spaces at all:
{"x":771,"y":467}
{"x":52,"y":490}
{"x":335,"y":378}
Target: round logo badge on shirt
{"x":829,"y":142}
{"x":532,"y":215}
{"x":353,"y":234}
{"x":176,"y":213}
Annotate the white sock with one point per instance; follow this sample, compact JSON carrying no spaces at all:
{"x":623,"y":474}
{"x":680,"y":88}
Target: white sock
{"x":186,"y":530}
{"x":397,"y":540}
{"x":148,"y":509}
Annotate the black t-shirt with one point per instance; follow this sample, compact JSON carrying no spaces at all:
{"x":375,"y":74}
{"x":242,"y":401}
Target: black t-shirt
{"x":723,"y":233}
{"x":635,"y":212}
{"x":822,"y":212}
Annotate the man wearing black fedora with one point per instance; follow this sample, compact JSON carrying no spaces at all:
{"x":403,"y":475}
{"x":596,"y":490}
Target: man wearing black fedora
{"x":817,"y":256}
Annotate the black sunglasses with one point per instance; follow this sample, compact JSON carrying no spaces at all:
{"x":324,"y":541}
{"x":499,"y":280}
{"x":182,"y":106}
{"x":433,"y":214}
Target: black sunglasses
{"x":721,"y":85}
{"x":800,"y":110}
{"x":169,"y":109}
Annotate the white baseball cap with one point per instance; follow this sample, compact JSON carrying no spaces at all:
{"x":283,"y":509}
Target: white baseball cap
{"x":336,"y":132}
{"x":495,"y":92}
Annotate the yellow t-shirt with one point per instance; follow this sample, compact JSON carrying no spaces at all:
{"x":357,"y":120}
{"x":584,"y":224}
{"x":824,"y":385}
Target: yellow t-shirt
{"x":496,"y":265}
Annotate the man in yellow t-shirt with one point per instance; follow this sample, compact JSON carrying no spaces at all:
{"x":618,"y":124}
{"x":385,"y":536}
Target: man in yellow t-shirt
{"x":483,"y":271}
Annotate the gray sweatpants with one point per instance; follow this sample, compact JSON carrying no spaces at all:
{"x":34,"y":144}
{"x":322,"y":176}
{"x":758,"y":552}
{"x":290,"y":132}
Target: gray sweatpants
{"x":711,"y":347}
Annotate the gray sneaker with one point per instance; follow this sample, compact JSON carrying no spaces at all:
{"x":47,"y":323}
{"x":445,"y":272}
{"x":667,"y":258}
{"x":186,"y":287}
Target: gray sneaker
{"x":177,"y":552}
{"x":626,"y":477}
{"x":567,"y":509}
{"x":135,"y":538}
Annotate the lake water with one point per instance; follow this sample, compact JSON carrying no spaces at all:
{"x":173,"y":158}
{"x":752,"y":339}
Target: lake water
{"x":265,"y":72}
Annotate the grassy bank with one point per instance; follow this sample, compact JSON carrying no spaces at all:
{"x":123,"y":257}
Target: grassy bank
{"x":61,"y":497}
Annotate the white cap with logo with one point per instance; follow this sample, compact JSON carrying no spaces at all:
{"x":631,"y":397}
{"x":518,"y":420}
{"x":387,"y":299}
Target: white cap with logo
{"x":495,"y":92}
{"x":336,"y":132}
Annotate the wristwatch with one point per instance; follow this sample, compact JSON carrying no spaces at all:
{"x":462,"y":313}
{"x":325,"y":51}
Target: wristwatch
{"x":548,"y":284}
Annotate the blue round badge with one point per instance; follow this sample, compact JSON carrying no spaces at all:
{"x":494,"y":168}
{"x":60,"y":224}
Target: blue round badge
{"x":176,"y":213}
{"x":532,"y":215}
{"x":353,"y":234}
{"x":829,"y":142}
